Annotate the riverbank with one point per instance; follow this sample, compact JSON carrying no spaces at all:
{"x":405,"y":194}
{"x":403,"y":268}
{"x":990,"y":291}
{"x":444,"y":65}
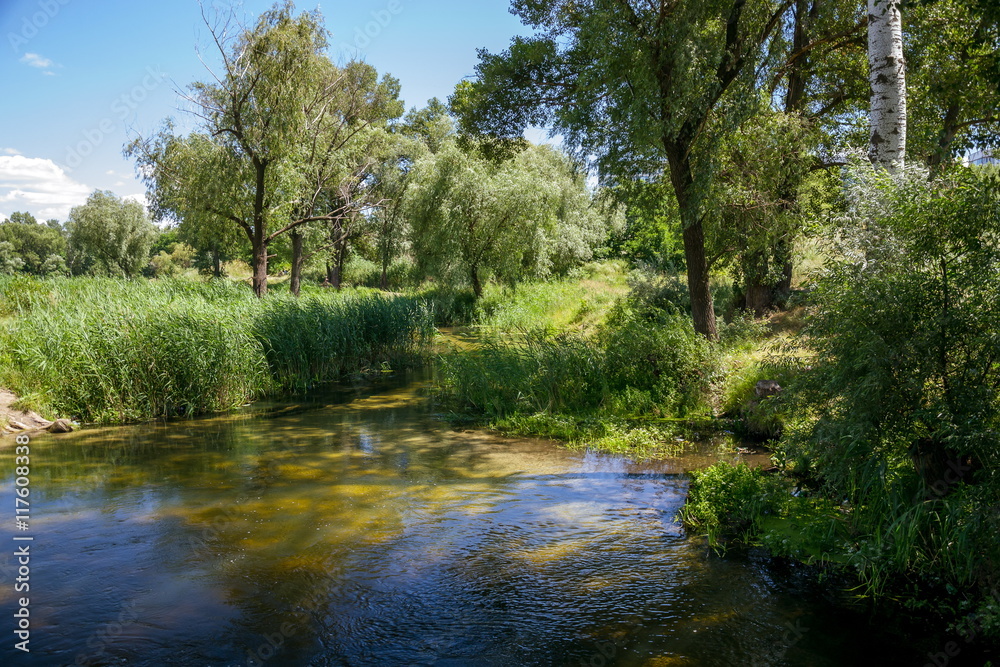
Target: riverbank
{"x":15,"y":419}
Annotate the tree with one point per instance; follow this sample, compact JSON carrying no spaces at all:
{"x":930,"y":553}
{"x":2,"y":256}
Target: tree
{"x":345,"y":136}
{"x":33,"y":243}
{"x":393,"y":178}
{"x":247,"y":167}
{"x":901,"y":397}
{"x":887,"y":76}
{"x":816,"y":90}
{"x":474,"y":217}
{"x":953,"y":82}
{"x":118,"y":233}
{"x":432,"y":125}
{"x":637,"y":85}
{"x":10,"y":263}
{"x":22,"y":218}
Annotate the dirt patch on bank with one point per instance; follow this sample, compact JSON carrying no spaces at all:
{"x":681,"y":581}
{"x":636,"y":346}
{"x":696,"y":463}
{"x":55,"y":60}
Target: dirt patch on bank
{"x":13,"y":420}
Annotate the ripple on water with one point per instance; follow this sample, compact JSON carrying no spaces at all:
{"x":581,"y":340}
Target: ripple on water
{"x":374,"y":535}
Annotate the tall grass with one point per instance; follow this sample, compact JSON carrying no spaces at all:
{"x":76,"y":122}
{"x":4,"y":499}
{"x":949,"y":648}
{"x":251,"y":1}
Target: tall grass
{"x":318,"y":338}
{"x":629,"y":367}
{"x":106,"y":350}
{"x":580,"y":300}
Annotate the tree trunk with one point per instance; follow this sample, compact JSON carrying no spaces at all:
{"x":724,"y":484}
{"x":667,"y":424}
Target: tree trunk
{"x":477,"y":285}
{"x":333,"y":275}
{"x":887,"y":76}
{"x":341,"y":260}
{"x":758,"y":294}
{"x":216,"y":263}
{"x":783,"y":254}
{"x":702,"y":306}
{"x":295,"y":282}
{"x":948,"y":131}
{"x":383,"y":282}
{"x":682,"y":179}
{"x":259,"y":267}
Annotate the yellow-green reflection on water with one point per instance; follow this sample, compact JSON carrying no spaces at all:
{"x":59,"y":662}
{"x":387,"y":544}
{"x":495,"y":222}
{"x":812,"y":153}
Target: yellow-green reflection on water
{"x":361,"y":531}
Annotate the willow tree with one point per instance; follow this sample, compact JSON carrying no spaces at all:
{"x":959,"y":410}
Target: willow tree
{"x":245,"y":164}
{"x":474,"y":218}
{"x":116,"y":232}
{"x":346,"y":134}
{"x":644,"y":87}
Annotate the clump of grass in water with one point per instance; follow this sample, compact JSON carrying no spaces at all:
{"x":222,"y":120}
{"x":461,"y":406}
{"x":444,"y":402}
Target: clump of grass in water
{"x":316,"y":339}
{"x":109,"y":350}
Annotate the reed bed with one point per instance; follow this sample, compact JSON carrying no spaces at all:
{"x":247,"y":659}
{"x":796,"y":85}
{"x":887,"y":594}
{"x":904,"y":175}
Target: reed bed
{"x":108,"y":350}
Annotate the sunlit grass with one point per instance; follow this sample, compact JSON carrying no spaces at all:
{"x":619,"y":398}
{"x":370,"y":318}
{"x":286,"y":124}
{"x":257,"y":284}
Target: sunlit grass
{"x":108,"y":350}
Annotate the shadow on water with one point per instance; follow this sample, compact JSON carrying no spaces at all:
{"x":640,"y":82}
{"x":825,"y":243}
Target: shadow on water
{"x":359,"y":530}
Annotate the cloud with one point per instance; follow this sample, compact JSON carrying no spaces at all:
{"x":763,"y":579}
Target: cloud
{"x":35,"y":60}
{"x":10,"y":151}
{"x":38,"y":186}
{"x":41,"y":62}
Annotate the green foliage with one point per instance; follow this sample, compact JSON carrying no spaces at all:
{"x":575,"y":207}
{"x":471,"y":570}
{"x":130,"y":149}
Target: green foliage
{"x":630,"y":366}
{"x":472,"y":218}
{"x":166,"y":264}
{"x":118,"y":233}
{"x":286,"y":141}
{"x":726,"y":500}
{"x":900,"y":411}
{"x":34,"y":244}
{"x":19,"y":295}
{"x":111,"y":351}
{"x":10,"y":263}
{"x":951,"y":79}
{"x":360,"y":272}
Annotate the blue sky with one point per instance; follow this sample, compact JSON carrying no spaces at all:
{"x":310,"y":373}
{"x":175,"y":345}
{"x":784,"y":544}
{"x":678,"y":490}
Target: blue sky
{"x":83,"y":76}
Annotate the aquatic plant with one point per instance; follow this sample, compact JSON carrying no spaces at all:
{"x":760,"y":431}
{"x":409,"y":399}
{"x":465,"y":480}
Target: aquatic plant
{"x":108,"y":350}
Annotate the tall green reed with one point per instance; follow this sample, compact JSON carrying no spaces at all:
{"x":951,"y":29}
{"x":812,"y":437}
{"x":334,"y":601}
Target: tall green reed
{"x":108,"y":350}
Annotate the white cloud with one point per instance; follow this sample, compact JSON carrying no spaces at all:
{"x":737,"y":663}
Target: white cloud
{"x":41,"y":62}
{"x":38,"y":186}
{"x":141,"y":198}
{"x":35,"y":60}
{"x":10,"y":151}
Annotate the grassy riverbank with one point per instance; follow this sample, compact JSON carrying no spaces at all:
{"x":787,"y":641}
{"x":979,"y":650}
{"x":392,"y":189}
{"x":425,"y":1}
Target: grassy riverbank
{"x":107,"y":350}
{"x":608,"y":360}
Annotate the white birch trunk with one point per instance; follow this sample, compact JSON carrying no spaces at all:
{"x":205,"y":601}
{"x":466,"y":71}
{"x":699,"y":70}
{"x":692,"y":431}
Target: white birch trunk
{"x":887,"y":75}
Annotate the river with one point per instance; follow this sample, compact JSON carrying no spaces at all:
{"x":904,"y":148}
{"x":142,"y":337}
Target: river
{"x":358,"y":529}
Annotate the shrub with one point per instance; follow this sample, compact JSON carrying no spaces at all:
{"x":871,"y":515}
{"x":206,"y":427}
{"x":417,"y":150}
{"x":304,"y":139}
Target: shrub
{"x":731,"y":500}
{"x":902,"y":408}
{"x":629,"y":364}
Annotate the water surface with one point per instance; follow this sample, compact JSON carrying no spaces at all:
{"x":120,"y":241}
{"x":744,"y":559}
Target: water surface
{"x":360,"y":530}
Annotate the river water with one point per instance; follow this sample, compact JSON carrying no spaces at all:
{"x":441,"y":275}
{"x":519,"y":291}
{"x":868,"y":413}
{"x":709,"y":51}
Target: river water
{"x":359,"y":530}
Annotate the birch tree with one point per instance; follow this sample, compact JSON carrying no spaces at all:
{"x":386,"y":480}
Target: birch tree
{"x":887,"y":76}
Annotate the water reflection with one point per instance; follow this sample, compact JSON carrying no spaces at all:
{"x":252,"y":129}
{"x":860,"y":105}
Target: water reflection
{"x":360,"y":531}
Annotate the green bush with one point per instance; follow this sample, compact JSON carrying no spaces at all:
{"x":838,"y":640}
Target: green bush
{"x":318,"y":337}
{"x":726,"y":500}
{"x":629,"y":366}
{"x":900,"y":412}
